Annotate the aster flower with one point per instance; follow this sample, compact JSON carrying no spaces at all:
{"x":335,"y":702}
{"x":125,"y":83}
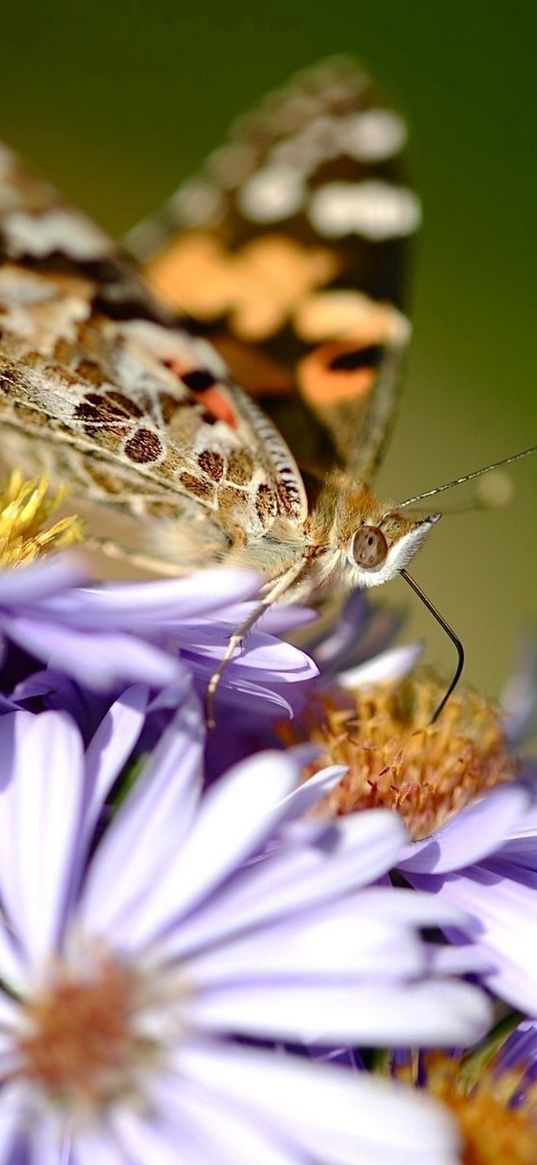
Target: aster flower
{"x":113,"y":634}
{"x":468,"y":805}
{"x":131,"y":953}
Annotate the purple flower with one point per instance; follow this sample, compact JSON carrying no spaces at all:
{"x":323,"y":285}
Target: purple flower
{"x":143,"y":960}
{"x":484,"y":860}
{"x":474,"y":826}
{"x":154,"y":632}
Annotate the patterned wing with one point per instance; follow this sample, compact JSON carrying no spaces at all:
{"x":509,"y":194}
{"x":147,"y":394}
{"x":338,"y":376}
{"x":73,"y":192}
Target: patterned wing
{"x":100,"y":386}
{"x":289,"y":250}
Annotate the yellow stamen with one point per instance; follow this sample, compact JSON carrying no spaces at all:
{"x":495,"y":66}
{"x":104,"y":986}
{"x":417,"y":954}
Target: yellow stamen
{"x":396,"y":758}
{"x":25,"y":509}
{"x":497,"y":1118}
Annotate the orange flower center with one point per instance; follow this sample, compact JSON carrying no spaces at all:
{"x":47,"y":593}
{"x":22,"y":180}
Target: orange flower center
{"x":396,"y":758}
{"x":82,"y":1044}
{"x":496,"y":1126}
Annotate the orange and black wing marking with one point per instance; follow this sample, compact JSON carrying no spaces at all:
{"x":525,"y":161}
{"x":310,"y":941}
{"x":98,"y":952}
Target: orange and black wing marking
{"x":289,"y":251}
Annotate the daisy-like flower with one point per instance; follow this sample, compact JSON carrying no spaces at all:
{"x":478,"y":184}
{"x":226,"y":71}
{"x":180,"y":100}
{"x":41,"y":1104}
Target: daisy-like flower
{"x":467,"y":803}
{"x":109,"y":635}
{"x":142,"y":961}
{"x":26,"y":507}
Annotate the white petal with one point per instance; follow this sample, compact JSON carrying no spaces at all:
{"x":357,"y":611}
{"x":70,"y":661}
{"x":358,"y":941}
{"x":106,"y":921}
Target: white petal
{"x":48,"y":1141}
{"x":236,"y":816}
{"x":47,"y":576}
{"x":9,"y":1016}
{"x":40,"y":806}
{"x":100,"y":1146}
{"x":505,"y":927}
{"x":338,"y":942}
{"x":149,"y":1140}
{"x":111,"y":746}
{"x":333,"y":1115}
{"x":165,"y":600}
{"x":471,"y":834}
{"x":388,"y":666}
{"x":13,"y":1107}
{"x":359,"y":848}
{"x":233,"y":1136}
{"x":376,"y":1013}
{"x":307,"y":794}
{"x":13,"y":967}
{"x":151,"y":824}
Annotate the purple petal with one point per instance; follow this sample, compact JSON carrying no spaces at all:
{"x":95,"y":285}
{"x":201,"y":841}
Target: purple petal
{"x":131,"y":605}
{"x":234,"y":1135}
{"x":235,"y":817}
{"x":117,"y":657}
{"x":503,"y":911}
{"x":111,"y":747}
{"x":14,"y":1120}
{"x":98,"y":1146}
{"x":279,"y":619}
{"x":261,"y":654}
{"x":152,"y":824}
{"x":393,"y":1015}
{"x":471,"y":834}
{"x":323,"y":944}
{"x":310,"y":792}
{"x":40,"y":808}
{"x":389,"y":666}
{"x":32,"y":584}
{"x":298,"y":879}
{"x":521,"y":1047}
{"x":332,"y":1115}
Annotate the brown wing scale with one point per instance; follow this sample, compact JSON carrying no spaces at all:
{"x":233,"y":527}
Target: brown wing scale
{"x":98,"y":383}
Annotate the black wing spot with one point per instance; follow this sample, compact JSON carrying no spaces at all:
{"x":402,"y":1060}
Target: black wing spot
{"x":199,"y":379}
{"x":369,"y":357}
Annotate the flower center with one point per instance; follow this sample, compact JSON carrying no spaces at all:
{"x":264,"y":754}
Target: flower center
{"x":396,"y":758}
{"x":25,"y":511}
{"x":495,"y":1115}
{"x":82,"y":1042}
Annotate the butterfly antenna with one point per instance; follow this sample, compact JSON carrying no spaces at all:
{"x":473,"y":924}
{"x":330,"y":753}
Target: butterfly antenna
{"x":439,"y":489}
{"x":449,"y":631}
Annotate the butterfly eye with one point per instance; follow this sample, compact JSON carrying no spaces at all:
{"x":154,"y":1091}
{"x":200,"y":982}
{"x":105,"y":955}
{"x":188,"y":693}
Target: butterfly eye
{"x":369,"y":547}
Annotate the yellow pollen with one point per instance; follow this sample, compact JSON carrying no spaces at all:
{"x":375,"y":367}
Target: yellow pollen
{"x":80,"y":1045}
{"x":396,"y":758}
{"x":493,"y":1129}
{"x":25,"y":510}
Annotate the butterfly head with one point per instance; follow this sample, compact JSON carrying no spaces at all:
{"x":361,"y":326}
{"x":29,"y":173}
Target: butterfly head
{"x":373,"y":540}
{"x":378,"y":550}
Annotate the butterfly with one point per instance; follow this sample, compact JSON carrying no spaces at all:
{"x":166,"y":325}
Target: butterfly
{"x":230,"y":403}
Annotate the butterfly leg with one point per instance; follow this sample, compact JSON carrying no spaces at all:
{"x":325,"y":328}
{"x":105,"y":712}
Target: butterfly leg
{"x":280,"y":585}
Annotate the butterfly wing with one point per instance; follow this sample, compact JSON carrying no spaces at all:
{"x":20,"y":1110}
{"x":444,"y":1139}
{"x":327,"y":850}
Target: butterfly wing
{"x":289,"y":250}
{"x":100,"y":386}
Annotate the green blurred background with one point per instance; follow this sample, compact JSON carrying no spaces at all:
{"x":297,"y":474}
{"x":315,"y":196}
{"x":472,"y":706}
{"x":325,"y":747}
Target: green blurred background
{"x":118,"y":101}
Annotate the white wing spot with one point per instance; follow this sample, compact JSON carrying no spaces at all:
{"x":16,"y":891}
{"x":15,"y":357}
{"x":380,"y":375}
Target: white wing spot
{"x":197,"y":202}
{"x":275,"y":193}
{"x":373,"y":135}
{"x":67,"y":231}
{"x":373,"y":209}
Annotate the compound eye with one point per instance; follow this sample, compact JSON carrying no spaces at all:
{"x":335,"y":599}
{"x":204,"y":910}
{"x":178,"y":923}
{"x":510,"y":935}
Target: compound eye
{"x":369,"y":547}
